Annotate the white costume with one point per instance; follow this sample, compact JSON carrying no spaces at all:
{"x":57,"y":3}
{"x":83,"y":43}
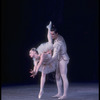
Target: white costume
{"x":61,"y":57}
{"x":46,"y":68}
{"x":45,"y":47}
{"x":58,"y":60}
{"x":60,"y":49}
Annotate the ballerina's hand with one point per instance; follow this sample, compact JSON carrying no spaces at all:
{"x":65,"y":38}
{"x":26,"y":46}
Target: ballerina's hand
{"x":33,"y":74}
{"x":31,"y":71}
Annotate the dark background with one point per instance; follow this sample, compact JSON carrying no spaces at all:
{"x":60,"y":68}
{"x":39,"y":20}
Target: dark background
{"x":24,"y":26}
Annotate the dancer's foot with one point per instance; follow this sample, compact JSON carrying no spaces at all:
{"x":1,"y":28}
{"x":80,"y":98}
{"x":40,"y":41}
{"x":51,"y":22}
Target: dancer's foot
{"x":49,"y":26}
{"x":63,"y":97}
{"x":40,"y":94}
{"x":57,"y":95}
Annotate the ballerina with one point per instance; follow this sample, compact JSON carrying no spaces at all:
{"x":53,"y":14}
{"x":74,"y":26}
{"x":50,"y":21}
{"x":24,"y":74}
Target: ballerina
{"x":40,"y":57}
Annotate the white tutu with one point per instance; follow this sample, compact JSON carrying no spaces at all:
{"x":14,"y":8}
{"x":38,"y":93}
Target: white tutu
{"x":48,"y":68}
{"x":44,"y":47}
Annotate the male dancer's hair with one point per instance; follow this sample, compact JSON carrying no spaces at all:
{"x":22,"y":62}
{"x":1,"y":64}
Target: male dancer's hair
{"x":53,"y":28}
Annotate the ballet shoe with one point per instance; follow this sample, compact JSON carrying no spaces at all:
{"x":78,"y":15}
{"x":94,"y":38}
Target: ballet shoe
{"x":49,"y":26}
{"x":62,"y":97}
{"x":40,"y":95}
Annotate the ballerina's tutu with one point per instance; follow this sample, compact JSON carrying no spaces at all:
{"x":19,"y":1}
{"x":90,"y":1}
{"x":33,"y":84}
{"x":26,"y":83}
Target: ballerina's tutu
{"x":44,"y":47}
{"x":46,"y":68}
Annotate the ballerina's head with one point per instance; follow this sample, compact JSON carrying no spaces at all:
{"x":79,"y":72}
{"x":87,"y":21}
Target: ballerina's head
{"x":33,"y":53}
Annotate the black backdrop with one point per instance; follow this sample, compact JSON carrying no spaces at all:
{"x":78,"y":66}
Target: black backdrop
{"x":24,"y":26}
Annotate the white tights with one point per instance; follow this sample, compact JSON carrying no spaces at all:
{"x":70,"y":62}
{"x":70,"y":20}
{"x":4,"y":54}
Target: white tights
{"x":61,"y":76}
{"x":42,"y":81}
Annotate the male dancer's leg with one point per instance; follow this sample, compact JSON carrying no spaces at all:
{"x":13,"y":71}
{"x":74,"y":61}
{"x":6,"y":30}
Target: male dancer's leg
{"x":58,"y":82}
{"x":63,"y":71}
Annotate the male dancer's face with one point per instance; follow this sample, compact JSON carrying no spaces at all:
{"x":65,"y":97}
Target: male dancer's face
{"x":54,"y":35}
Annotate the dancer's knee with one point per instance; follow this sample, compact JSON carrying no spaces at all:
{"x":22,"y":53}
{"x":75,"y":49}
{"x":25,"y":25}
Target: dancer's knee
{"x":64,"y":76}
{"x":58,"y":76}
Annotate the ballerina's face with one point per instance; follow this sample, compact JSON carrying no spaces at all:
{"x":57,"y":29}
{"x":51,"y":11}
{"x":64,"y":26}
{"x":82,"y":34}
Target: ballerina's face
{"x":53,"y":34}
{"x":33,"y":54}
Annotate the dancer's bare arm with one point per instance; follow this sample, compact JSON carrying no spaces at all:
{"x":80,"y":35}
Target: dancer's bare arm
{"x":55,"y":53}
{"x":40,"y":63}
{"x":37,"y":66}
{"x":34,"y":67}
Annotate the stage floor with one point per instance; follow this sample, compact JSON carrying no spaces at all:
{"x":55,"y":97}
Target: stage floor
{"x":30,"y":92}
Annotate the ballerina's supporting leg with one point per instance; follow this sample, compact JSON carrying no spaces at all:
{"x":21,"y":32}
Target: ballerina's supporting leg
{"x":42,"y":82}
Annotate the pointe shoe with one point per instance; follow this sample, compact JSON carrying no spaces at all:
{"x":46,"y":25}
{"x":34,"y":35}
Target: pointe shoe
{"x":40,"y":95}
{"x":49,"y":26}
{"x":57,"y":96}
{"x":62,"y":97}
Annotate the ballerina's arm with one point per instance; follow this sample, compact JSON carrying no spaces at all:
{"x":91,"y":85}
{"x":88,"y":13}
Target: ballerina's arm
{"x":40,"y":63}
{"x":34,"y":67}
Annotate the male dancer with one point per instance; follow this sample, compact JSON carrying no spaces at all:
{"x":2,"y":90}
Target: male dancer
{"x":60,"y":55}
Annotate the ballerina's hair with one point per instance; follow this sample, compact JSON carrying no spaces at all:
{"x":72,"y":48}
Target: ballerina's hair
{"x":34,"y":49}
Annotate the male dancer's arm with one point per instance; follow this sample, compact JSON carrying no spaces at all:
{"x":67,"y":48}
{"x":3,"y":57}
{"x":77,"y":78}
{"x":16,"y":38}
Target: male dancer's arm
{"x":55,"y":53}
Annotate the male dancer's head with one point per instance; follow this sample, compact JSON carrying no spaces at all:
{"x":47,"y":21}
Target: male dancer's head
{"x":54,"y":32}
